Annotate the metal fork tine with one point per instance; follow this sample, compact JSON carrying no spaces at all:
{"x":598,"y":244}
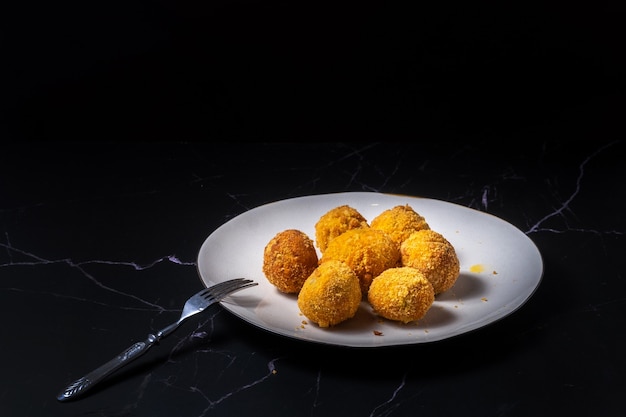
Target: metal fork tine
{"x":220,"y":291}
{"x":219,"y":286}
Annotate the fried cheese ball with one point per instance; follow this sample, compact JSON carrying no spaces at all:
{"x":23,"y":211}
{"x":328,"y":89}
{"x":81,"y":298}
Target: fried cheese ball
{"x":432,"y":254}
{"x":402,"y":294}
{"x":335,"y":222}
{"x":367,"y":251}
{"x":399,"y":222}
{"x":331,"y":295}
{"x":288,"y":260}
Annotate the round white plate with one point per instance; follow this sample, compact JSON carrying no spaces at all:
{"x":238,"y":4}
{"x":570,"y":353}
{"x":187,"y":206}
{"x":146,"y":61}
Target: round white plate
{"x":500,"y":269}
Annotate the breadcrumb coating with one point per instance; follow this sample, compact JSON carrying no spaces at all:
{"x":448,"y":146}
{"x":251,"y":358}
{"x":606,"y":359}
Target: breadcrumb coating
{"x":432,"y":254}
{"x":367,"y":251}
{"x":399,"y":222}
{"x":331,"y":294}
{"x":335,"y":222}
{"x":288,"y":260}
{"x":402,"y":294}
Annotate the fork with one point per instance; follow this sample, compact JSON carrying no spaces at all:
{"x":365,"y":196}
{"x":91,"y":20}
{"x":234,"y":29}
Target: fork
{"x":194,"y":305}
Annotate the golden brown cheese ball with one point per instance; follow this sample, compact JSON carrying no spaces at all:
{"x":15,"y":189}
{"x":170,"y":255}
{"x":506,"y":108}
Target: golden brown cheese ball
{"x":399,"y":222}
{"x":331,"y":295}
{"x":401,"y":294}
{"x":434,"y":256}
{"x":335,"y":222}
{"x":288,"y":260}
{"x":367,"y":251}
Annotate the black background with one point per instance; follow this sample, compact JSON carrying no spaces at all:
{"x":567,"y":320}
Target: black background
{"x":326,"y":70}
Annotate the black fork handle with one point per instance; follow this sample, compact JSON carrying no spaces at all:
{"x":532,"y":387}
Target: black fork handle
{"x":82,"y":385}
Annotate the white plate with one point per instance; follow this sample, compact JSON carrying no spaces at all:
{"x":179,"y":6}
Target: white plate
{"x":500,"y":269}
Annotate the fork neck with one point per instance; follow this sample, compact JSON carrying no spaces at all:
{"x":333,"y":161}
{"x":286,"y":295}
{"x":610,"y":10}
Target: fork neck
{"x":166,"y":331}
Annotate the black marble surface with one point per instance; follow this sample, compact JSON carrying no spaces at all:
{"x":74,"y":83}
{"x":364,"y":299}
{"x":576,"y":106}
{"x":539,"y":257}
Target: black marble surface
{"x":99,"y":246}
{"x":132,"y":130}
